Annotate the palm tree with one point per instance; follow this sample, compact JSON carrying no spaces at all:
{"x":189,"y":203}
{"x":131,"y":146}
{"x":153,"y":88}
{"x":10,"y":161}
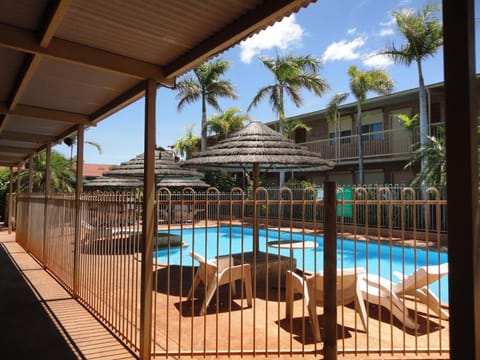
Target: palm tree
{"x":72,"y":141}
{"x":62,"y":176}
{"x":207,"y":86}
{"x":224,"y":124}
{"x":361,"y":82}
{"x":291,"y":126}
{"x":333,"y":116}
{"x":433,"y":153}
{"x":423,"y":33}
{"x":291,"y":73}
{"x":409,"y":122}
{"x":187,"y":144}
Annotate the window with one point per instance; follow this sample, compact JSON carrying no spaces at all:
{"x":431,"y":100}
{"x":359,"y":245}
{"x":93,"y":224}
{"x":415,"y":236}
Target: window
{"x":344,"y":127}
{"x":345,"y":137}
{"x":372,"y":125}
{"x":373,"y":132}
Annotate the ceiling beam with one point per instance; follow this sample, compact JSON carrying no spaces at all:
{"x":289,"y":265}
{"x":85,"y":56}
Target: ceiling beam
{"x":12,"y":158}
{"x":9,"y":163}
{"x":46,"y":114}
{"x":26,"y":41}
{"x":50,"y":27}
{"x":245,"y":26}
{"x":15,"y":149}
{"x":54,"y":21}
{"x":26,"y":137}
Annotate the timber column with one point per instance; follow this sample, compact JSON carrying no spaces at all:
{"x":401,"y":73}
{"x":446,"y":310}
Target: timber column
{"x":148,"y":223}
{"x":78,"y":209}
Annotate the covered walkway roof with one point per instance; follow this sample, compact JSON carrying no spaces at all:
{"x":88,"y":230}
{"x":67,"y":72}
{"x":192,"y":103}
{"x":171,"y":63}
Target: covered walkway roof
{"x":65,"y":63}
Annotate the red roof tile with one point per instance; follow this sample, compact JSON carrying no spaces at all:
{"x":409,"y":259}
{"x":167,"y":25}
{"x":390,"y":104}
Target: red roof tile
{"x":94,"y":170}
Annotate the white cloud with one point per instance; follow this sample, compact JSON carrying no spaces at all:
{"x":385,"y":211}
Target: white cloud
{"x":351,"y":31}
{"x":403,"y":3}
{"x":284,"y":34}
{"x":387,"y":27}
{"x":389,"y":23}
{"x":375,"y":60}
{"x":386,"y":32}
{"x":343,"y":50}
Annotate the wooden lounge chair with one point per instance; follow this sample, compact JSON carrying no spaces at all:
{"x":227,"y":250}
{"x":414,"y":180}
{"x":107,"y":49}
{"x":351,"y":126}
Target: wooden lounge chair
{"x":311,"y":288}
{"x":215,"y":273}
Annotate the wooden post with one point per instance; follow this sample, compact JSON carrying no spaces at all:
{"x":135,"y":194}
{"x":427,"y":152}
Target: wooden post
{"x":256,"y":212}
{"x":18,"y":181}
{"x":148,"y":224}
{"x":330,"y":269}
{"x":30,"y":205}
{"x":48,"y":177}
{"x":10,"y":201}
{"x":78,"y":212}
{"x":30,"y":174}
{"x":462,"y":179}
{"x":17,"y":192}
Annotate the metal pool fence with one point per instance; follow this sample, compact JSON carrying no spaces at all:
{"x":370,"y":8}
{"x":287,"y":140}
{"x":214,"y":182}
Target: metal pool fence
{"x":259,"y":244}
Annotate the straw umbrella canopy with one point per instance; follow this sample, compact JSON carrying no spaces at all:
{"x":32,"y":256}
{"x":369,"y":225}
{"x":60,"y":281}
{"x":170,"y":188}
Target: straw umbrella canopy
{"x":107,"y":182}
{"x":257,"y":147}
{"x":182,"y":182}
{"x":168,"y":173}
{"x":165,"y":166}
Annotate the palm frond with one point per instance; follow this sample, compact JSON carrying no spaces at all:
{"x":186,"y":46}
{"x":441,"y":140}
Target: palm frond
{"x":332,"y":107}
{"x":261,"y":94}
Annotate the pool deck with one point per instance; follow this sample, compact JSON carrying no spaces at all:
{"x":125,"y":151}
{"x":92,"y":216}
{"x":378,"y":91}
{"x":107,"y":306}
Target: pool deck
{"x":41,"y":320}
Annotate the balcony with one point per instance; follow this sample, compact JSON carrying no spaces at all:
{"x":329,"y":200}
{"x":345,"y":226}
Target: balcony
{"x":387,"y":145}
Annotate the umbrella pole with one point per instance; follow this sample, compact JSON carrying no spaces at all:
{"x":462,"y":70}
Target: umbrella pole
{"x":256,"y":222}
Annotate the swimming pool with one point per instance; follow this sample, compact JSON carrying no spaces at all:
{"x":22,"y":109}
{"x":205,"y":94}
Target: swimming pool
{"x":379,"y":259}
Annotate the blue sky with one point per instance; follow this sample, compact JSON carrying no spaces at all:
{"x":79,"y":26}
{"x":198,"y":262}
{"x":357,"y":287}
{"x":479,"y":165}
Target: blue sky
{"x":339,"y":33}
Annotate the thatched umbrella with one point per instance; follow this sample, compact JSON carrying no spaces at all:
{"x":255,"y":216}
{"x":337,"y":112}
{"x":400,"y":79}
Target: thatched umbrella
{"x":165,"y":167}
{"x":257,"y":147}
{"x":107,"y":182}
{"x":168,"y":173}
{"x":182,"y":182}
{"x":254,"y":148}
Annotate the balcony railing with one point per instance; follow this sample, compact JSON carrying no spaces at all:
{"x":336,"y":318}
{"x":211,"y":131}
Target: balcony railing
{"x":388,"y":144}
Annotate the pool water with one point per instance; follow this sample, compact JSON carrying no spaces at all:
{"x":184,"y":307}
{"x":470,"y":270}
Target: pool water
{"x":378,"y":259}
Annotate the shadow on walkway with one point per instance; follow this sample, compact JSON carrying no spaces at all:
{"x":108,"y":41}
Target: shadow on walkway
{"x":27,"y":329}
{"x":39,"y":319}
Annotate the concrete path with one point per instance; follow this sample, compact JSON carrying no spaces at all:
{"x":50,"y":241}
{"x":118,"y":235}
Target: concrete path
{"x":38,"y":317}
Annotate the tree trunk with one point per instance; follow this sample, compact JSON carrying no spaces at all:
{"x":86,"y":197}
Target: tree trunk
{"x":360,"y":145}
{"x":422,"y":101}
{"x":281,"y":174}
{"x":203,"y":141}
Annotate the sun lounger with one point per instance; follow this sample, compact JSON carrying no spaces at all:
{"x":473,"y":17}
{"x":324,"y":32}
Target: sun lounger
{"x":383,"y":292}
{"x":417,"y":283}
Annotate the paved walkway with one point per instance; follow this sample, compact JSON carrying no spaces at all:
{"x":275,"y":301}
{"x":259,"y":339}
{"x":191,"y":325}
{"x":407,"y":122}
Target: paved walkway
{"x":40,"y":320}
